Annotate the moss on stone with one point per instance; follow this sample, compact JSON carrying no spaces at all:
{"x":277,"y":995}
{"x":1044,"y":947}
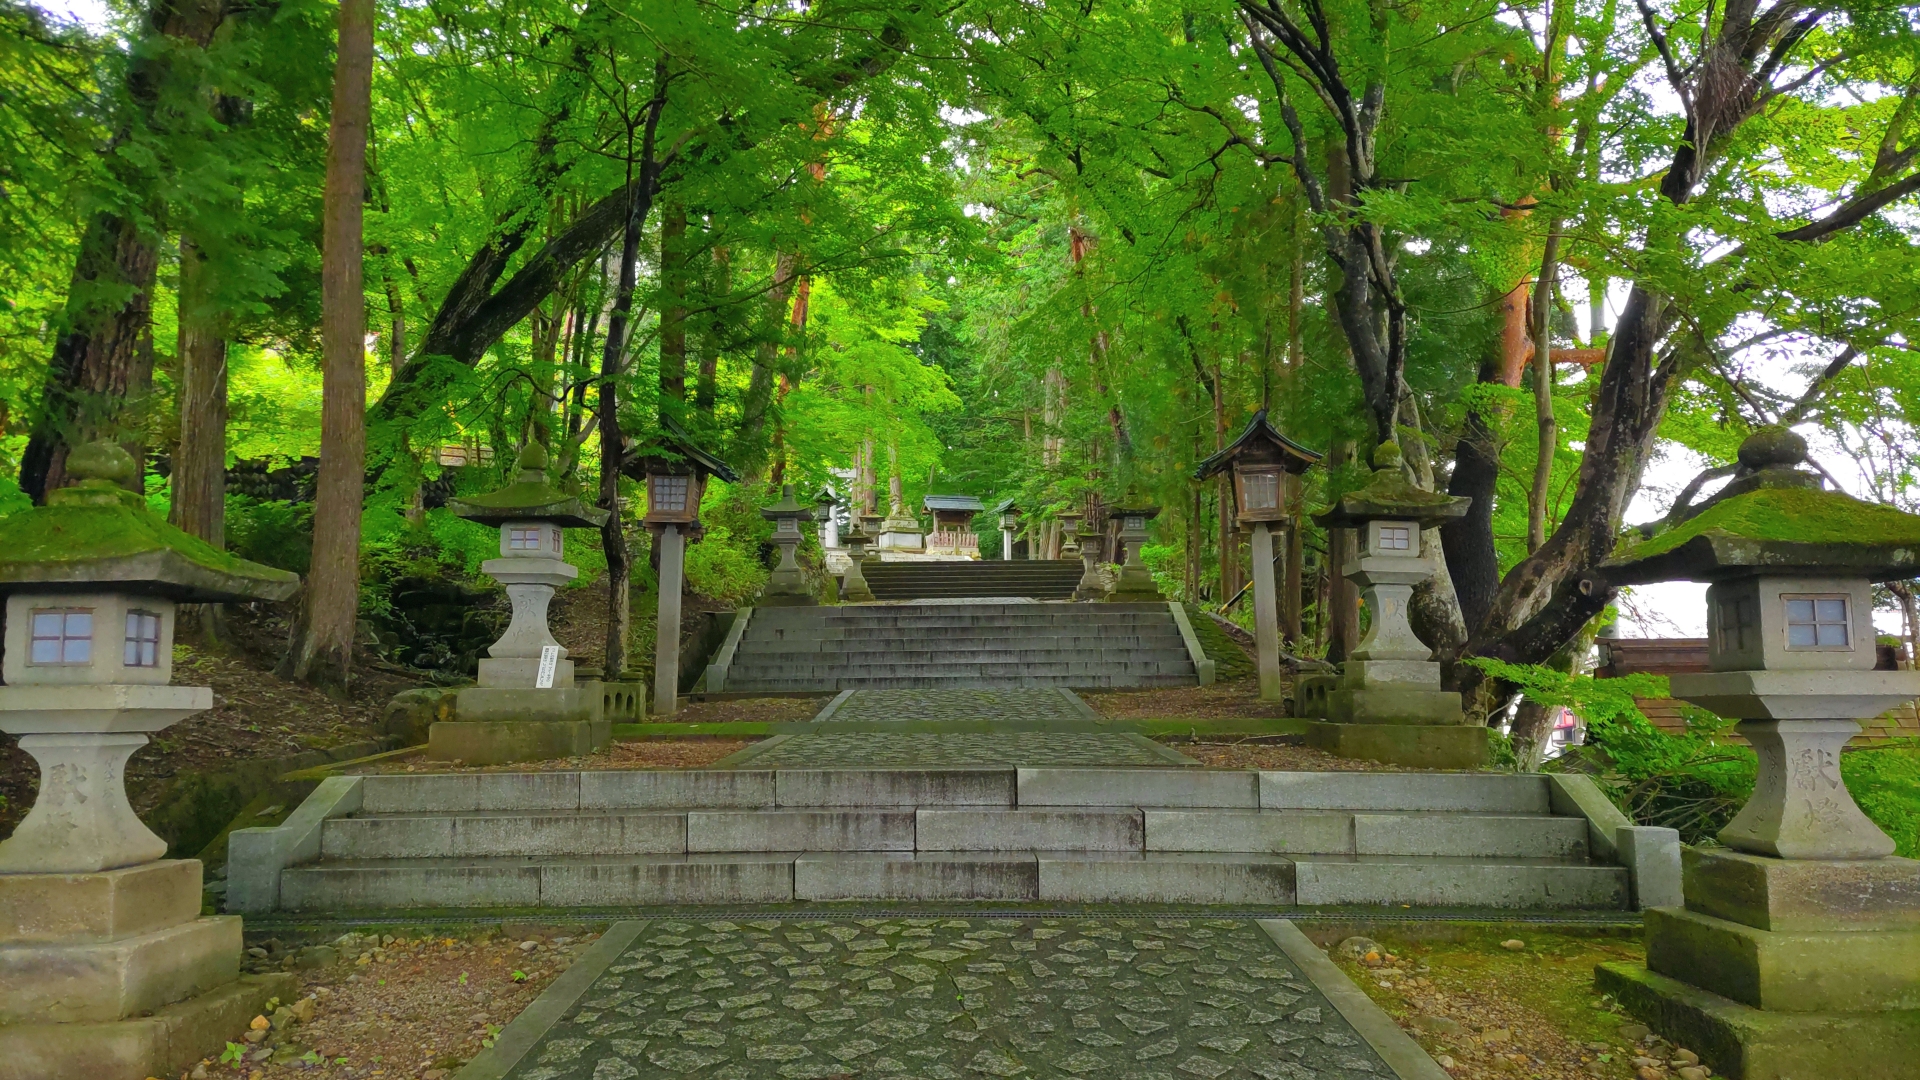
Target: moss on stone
{"x":77,"y":539}
{"x":1796,"y":515}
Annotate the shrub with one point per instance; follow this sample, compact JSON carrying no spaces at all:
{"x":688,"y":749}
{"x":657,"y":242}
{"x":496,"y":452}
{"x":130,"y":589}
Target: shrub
{"x":724,"y":568}
{"x":279,"y":534}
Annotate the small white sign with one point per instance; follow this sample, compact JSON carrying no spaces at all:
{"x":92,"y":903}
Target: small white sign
{"x":549,"y":658}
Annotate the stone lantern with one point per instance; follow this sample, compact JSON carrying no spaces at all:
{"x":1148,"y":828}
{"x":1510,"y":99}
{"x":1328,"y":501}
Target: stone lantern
{"x":526,"y":706}
{"x":853,"y":584}
{"x":1070,"y":532}
{"x":788,"y":586}
{"x":676,"y":472}
{"x":1266,"y":482}
{"x":107,"y":969}
{"x":1798,"y":949}
{"x":1092,"y":586}
{"x":1387,"y":703}
{"x":1135,"y":582}
{"x":1009,"y":514}
{"x":825,"y":506}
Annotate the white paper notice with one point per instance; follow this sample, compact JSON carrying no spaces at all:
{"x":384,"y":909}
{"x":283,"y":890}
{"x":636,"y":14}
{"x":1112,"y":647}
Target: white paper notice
{"x":549,"y":658}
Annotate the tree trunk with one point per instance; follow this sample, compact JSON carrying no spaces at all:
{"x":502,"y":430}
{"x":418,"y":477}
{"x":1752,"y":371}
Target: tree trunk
{"x":321,"y":647}
{"x":1343,"y":600}
{"x":200,"y":461}
{"x":103,"y":359}
{"x":1548,"y":426}
{"x":673,"y":314}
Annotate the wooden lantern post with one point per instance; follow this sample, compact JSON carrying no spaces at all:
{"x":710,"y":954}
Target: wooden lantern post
{"x":676,"y":472}
{"x":1266,"y":476}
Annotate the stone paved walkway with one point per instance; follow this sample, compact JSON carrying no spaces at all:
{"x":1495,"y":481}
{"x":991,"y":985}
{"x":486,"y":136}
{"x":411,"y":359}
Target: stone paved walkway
{"x":883,"y":706}
{"x":952,"y":999}
{"x":949,"y":750}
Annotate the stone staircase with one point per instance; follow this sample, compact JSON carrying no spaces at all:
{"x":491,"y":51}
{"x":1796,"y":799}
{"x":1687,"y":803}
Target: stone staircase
{"x":612,"y":839}
{"x":964,"y":645}
{"x":1037,"y":579}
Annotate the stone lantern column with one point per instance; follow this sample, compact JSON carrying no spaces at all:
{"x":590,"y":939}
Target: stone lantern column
{"x":1797,"y":950}
{"x":526,"y":706}
{"x":853,"y":585}
{"x":108,"y":971}
{"x":788,"y":586}
{"x":1135,"y":583}
{"x":1069,"y":534}
{"x":1387,"y":703}
{"x":1091,"y":586}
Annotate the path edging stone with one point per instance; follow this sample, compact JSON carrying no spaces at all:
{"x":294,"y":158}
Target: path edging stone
{"x":1395,"y":1047}
{"x":523,"y":1032}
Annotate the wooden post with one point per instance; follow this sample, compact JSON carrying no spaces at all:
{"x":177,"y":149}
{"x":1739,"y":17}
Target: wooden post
{"x":1266,"y":616}
{"x":666,"y":630}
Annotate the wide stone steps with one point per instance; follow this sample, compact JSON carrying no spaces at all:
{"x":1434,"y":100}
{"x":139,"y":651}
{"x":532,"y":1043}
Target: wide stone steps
{"x":982,"y":645}
{"x":1139,"y":835}
{"x":1039,"y":580}
{"x":1069,"y":877}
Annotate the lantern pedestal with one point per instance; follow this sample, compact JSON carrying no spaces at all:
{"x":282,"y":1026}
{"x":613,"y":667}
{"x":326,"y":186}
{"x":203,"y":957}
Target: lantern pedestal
{"x":1134,"y":584}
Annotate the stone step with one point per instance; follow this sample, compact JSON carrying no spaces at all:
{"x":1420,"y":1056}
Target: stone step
{"x":951,"y":829}
{"x":1507,"y":794}
{"x":958,"y":682}
{"x":777,"y":877}
{"x":1038,"y":647}
{"x":860,"y":667}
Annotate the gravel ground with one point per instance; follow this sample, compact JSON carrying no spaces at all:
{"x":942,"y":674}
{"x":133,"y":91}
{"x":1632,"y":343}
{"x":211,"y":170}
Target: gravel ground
{"x":750,"y":710}
{"x":1233,"y":698}
{"x":1499,"y":1008}
{"x":413,"y":1007}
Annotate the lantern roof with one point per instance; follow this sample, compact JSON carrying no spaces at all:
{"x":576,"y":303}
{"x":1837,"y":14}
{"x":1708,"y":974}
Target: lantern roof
{"x":1390,"y":495}
{"x":828,"y":497}
{"x":530,"y":497}
{"x":97,"y":536}
{"x":787,"y":507}
{"x":1132,"y":504}
{"x":672,"y":452}
{"x":1775,"y":518}
{"x":1006,"y":506}
{"x":1261,"y":444}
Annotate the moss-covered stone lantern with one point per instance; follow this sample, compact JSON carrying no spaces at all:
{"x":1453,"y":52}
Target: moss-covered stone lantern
{"x":1387,"y":703}
{"x":675,"y":469}
{"x":1266,"y":468}
{"x":787,"y":587}
{"x":1134,"y":583}
{"x":1070,"y":519}
{"x":526,"y":707}
{"x":1802,"y":930}
{"x":826,"y":506}
{"x":97,"y":928}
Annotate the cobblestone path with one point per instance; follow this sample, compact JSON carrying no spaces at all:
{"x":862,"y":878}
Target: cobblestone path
{"x":952,"y":999}
{"x":882,"y":706}
{"x":953,"y":750}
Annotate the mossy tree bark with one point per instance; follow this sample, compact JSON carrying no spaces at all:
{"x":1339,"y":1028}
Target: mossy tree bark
{"x":103,"y":358}
{"x":321,"y":647}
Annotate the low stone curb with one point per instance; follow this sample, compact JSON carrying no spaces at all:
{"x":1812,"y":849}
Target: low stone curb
{"x":1395,"y":1047}
{"x":524,"y":1031}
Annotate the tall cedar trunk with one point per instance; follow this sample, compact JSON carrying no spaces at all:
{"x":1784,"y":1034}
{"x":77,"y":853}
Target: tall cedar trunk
{"x":1343,"y":599}
{"x":103,"y":357}
{"x":673,"y":317}
{"x":759,"y":399}
{"x":200,"y":461}
{"x":704,"y":388}
{"x":321,"y":648}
